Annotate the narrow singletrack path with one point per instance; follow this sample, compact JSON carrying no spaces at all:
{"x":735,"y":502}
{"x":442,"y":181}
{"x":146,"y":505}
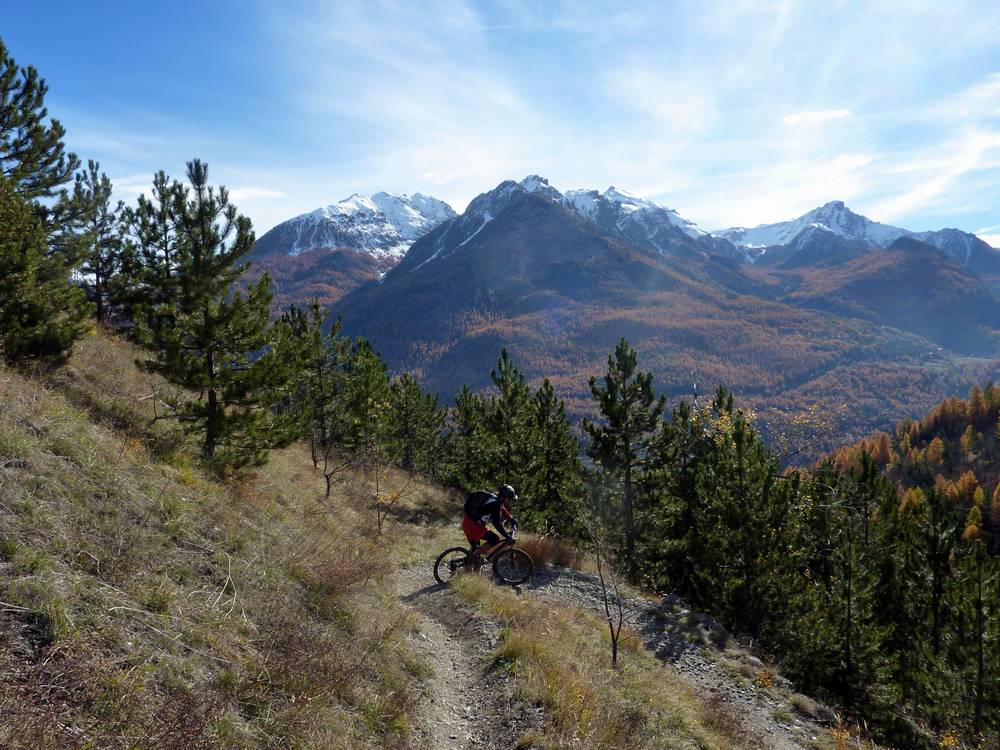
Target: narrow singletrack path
{"x":468,"y":705}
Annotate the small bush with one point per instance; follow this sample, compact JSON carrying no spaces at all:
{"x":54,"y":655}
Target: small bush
{"x":547,"y":551}
{"x":782,"y":715}
{"x":764,"y":678}
{"x":8,"y":548}
{"x":804,"y":705}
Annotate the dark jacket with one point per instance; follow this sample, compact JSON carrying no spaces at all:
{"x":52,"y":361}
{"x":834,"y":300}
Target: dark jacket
{"x":482,"y":506}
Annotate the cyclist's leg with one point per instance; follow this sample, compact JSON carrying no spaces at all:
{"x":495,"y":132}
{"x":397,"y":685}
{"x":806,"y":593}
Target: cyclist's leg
{"x":490,"y":540}
{"x":474,"y":533}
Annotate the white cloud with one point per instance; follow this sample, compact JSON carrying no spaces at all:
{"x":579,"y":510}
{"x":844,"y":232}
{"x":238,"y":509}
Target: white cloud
{"x":252,"y":193}
{"x":818,"y":115}
{"x":695,"y":105}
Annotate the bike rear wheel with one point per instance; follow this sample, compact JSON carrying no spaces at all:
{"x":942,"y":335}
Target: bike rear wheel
{"x":449,"y":563}
{"x":513,"y":566}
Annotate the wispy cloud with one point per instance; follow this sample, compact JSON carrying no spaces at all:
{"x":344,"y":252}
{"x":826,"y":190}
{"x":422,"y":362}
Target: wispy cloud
{"x":818,"y":115}
{"x":250,"y":193}
{"x":730,"y":111}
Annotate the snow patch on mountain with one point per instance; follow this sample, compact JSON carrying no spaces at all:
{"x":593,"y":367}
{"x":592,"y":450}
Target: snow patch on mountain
{"x":628,"y":216}
{"x":384,"y":225}
{"x":837,"y":218}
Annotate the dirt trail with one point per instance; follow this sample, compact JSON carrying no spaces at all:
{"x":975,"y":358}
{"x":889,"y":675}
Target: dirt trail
{"x":468,"y":705}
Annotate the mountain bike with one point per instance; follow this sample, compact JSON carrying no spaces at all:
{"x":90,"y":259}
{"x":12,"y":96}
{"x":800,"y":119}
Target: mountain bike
{"x":510,"y":565}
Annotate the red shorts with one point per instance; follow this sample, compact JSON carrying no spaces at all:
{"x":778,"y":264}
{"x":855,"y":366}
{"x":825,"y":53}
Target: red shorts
{"x":474,"y":531}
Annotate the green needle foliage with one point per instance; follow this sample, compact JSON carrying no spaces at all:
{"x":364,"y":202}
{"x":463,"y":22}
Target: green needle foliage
{"x":415,"y":430}
{"x":97,"y":230}
{"x":552,"y":487}
{"x":467,"y":441}
{"x":508,"y":418}
{"x":32,"y":154}
{"x":150,"y":251}
{"x":41,"y":312}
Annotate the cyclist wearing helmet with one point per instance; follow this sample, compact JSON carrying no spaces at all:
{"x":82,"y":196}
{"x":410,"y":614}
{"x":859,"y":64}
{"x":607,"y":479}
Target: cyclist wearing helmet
{"x":483,"y":506}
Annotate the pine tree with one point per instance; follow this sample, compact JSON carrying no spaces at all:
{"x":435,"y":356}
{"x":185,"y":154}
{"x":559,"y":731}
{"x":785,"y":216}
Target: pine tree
{"x":32,"y":155}
{"x":415,"y":425}
{"x":364,"y":410}
{"x":508,"y":425}
{"x":744,"y":521}
{"x":150,"y":254}
{"x":671,"y":511}
{"x":976,"y":578}
{"x":861,"y":679}
{"x":552,"y":486}
{"x":212,"y":345}
{"x":318,"y":354}
{"x":902,"y":595}
{"x":98,"y":232}
{"x":631,"y":413}
{"x":41,"y":312}
{"x":467,"y":441}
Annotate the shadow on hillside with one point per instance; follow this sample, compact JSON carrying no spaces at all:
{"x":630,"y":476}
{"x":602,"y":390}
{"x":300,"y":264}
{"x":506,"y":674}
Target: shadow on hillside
{"x":431,"y":588}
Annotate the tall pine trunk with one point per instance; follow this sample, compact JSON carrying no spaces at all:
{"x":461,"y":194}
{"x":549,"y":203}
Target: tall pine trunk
{"x":629,"y":522}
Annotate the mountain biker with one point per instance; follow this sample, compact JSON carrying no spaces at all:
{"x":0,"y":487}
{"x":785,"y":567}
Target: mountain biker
{"x":482,"y":506}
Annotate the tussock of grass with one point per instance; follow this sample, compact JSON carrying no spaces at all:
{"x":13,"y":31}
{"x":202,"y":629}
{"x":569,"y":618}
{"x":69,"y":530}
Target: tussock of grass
{"x":147,"y":605}
{"x":561,"y":658}
{"x":548,"y":550}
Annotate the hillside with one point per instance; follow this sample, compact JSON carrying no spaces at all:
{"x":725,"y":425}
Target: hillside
{"x":954,"y":447}
{"x":147,"y":605}
{"x":325,"y":275}
{"x":521,"y":270}
{"x":910,"y":285}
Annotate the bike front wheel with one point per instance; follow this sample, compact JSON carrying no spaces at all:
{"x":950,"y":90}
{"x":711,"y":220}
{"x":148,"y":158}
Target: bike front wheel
{"x":449,"y":563}
{"x":513,"y":566}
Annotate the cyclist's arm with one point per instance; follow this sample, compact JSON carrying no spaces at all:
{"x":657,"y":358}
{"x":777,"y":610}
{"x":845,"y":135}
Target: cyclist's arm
{"x":508,"y":516}
{"x":496,"y":518}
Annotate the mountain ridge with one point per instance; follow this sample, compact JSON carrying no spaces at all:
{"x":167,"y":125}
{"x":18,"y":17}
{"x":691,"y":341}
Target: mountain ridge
{"x":965,"y":247}
{"x":522,"y":269}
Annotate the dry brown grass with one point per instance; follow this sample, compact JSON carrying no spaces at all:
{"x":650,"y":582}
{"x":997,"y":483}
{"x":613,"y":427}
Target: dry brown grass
{"x":561,"y":657}
{"x":146,"y":605}
{"x":549,"y":550}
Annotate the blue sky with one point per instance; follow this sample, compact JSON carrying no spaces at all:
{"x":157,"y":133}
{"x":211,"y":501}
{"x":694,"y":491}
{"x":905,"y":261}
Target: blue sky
{"x":733,"y":113}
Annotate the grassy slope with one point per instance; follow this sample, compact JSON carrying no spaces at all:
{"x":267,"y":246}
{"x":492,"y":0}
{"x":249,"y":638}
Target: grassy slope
{"x":146,"y":605}
{"x":561,"y":659}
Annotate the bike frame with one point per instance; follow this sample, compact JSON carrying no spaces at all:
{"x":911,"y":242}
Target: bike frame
{"x":499,"y":547}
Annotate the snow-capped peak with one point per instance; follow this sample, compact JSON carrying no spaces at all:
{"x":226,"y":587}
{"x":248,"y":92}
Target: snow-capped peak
{"x":616,"y":211}
{"x":533,"y":183}
{"x":626,"y":200}
{"x":834,"y":216}
{"x":384,"y":225}
{"x":837,"y":218}
{"x":353,"y":204}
